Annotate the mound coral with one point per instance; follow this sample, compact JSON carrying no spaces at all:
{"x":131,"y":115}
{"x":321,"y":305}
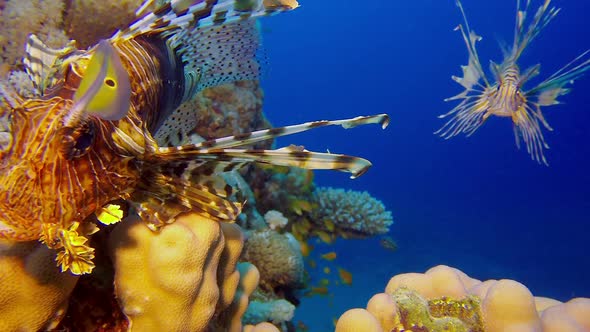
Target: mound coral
{"x":278,"y":257}
{"x":446,"y":299}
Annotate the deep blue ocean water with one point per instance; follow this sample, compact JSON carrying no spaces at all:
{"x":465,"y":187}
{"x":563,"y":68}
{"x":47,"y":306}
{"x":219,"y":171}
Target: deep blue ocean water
{"x":478,"y":203}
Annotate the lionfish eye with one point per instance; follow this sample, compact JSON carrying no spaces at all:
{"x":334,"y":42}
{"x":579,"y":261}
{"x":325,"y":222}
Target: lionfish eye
{"x":77,"y":141}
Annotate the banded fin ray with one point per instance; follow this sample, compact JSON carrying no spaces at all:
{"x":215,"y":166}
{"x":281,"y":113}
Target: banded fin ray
{"x":287,"y":156}
{"x":218,"y":151}
{"x":165,"y":187}
{"x":261,"y":135}
{"x":553,"y":87}
{"x":39,"y":62}
{"x":523,"y":37}
{"x":185,"y":14}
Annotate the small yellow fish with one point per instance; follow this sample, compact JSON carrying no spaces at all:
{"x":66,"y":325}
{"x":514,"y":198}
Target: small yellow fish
{"x":504,"y":95}
{"x":388,"y":243}
{"x":305,"y":247}
{"x":322,"y":290}
{"x":345,"y":276}
{"x":327,"y":270}
{"x":312,"y":264}
{"x":329,"y":256}
{"x":326,"y":237}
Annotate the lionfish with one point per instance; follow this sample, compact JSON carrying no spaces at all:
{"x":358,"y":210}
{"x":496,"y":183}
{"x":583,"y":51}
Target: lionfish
{"x":88,"y":139}
{"x":504,"y":96}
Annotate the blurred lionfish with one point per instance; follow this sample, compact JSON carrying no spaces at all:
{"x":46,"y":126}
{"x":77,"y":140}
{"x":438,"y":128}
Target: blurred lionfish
{"x":103,"y":125}
{"x":505,"y":96}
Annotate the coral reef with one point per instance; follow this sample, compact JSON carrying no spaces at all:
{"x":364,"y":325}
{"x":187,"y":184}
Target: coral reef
{"x":335,"y":212}
{"x":446,"y":299}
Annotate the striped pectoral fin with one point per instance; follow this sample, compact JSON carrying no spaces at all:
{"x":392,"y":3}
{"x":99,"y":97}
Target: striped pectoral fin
{"x":161,"y":198}
{"x":261,"y":135}
{"x":288,"y":156}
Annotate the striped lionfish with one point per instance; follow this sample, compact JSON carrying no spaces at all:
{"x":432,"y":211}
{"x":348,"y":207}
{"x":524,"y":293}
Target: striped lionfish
{"x":505,"y":96}
{"x":87,"y":140}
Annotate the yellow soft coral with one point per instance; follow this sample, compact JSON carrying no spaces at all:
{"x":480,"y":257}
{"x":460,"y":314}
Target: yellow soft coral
{"x":447,"y":299}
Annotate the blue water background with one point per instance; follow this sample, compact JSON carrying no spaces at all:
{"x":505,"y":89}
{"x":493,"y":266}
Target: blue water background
{"x":478,"y":203}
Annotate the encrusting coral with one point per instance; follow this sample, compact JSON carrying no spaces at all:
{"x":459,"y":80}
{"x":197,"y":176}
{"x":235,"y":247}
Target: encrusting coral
{"x":446,"y":299}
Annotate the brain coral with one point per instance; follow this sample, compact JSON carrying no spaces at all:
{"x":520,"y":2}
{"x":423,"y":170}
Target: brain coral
{"x":446,"y":299}
{"x":277,"y":257}
{"x":353,"y":212}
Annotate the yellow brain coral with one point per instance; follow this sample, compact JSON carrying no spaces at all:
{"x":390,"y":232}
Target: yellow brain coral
{"x":446,"y":299}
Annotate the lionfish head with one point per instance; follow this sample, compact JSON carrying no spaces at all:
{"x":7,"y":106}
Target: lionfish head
{"x":68,"y":157}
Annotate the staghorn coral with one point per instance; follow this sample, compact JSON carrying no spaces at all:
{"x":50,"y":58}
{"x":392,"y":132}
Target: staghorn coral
{"x":446,"y":299}
{"x":278,"y":257}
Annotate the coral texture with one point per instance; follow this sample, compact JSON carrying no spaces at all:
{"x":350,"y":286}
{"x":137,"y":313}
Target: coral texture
{"x":276,"y":311}
{"x":43,"y":18}
{"x":353,"y":213}
{"x":277,"y":256}
{"x":186,"y":271}
{"x":33,"y":291}
{"x":446,"y":299}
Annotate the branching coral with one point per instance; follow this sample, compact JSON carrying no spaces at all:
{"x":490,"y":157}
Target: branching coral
{"x":346,"y":213}
{"x":446,"y":299}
